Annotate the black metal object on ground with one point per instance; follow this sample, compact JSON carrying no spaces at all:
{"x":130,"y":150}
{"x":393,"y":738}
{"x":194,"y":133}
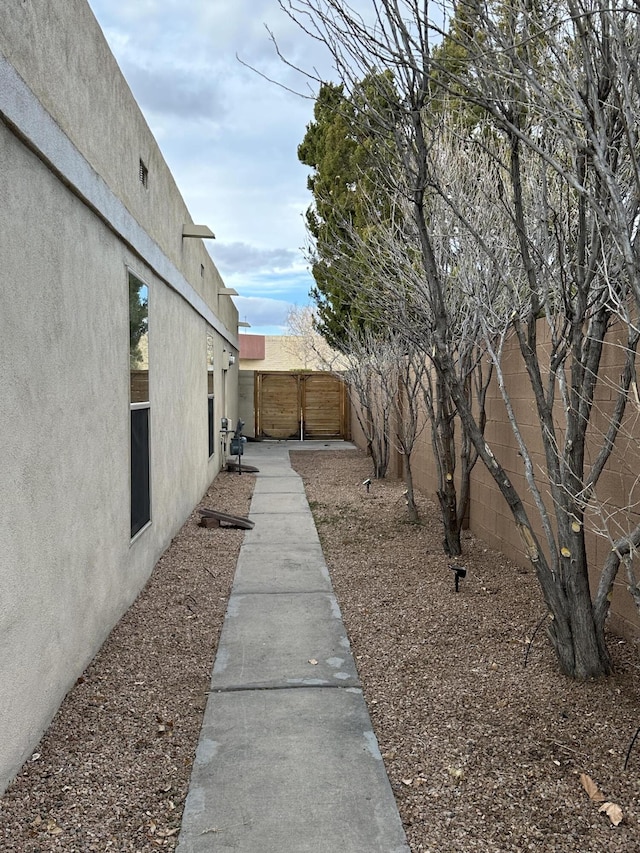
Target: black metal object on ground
{"x":230,"y":520}
{"x":248,"y":469}
{"x":460,"y":572}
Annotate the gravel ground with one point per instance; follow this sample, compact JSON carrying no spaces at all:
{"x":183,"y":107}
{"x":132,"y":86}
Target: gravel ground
{"x":112,"y":771}
{"x":482,"y":753}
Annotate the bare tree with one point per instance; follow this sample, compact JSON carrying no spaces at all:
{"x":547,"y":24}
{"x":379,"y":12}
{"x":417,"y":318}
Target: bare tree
{"x":386,"y":376}
{"x":563,"y":149}
{"x":394,"y":287}
{"x":554,"y":87}
{"x":394,"y":303}
{"x":371,"y":377}
{"x":410,"y":419}
{"x":306,"y":344}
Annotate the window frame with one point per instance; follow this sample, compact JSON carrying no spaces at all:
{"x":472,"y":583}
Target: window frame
{"x":138,"y":406}
{"x":133,"y":407}
{"x":211,"y":422}
{"x":211,"y":393}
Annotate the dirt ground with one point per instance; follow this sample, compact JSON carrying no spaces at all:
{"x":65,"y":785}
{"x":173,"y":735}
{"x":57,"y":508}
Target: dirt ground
{"x":483,"y":754}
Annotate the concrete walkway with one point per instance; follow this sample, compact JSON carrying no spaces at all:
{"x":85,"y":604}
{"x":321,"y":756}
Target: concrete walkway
{"x":287,"y":760}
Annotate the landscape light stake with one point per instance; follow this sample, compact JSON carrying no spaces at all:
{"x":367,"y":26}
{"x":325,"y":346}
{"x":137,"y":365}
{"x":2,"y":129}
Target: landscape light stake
{"x":633,"y":740}
{"x":367,"y":483}
{"x":460,"y":572}
{"x":533,"y":636}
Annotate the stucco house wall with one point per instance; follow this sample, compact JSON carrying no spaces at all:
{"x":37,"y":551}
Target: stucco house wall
{"x":246,"y":405}
{"x":75,"y":221}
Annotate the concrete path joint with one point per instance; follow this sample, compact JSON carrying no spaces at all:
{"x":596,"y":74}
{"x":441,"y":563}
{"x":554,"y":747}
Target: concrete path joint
{"x":287,"y":760}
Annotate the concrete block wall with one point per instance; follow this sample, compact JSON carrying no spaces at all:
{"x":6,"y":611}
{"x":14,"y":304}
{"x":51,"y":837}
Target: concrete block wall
{"x":489,"y":516}
{"x":287,"y":352}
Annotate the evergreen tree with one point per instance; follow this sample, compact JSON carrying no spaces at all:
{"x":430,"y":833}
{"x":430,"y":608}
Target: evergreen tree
{"x":341,"y":146}
{"x":138,"y":314}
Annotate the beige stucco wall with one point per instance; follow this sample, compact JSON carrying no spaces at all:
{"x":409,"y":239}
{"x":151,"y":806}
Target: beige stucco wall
{"x":59,"y":49}
{"x":68,"y":567}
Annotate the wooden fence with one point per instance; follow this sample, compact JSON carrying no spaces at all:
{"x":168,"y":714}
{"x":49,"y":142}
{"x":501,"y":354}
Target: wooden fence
{"x":308,"y":405}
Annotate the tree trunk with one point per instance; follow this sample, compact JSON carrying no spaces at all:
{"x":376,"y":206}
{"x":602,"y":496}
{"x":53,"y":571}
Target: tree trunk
{"x":412,"y":509}
{"x":448,"y":506}
{"x":580,"y":649}
{"x":444,"y":445}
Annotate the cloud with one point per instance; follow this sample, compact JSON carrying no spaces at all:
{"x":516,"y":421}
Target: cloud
{"x":262,"y":311}
{"x":180,"y":92}
{"x":292,"y":285}
{"x":242,"y":258}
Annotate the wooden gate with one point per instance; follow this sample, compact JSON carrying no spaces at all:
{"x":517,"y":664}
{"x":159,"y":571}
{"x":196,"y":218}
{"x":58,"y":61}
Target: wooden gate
{"x":300,"y":405}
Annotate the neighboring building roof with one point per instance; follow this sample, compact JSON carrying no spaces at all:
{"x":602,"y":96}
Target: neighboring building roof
{"x":252,"y":347}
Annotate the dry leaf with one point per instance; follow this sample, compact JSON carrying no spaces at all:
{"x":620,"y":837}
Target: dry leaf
{"x":164,"y":726}
{"x":167,"y":833}
{"x":613,"y":812}
{"x":456,"y":773}
{"x":52,"y":827}
{"x":595,"y":794}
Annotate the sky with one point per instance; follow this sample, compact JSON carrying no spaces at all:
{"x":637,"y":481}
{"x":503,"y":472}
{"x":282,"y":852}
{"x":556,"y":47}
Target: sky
{"x":229,"y":136}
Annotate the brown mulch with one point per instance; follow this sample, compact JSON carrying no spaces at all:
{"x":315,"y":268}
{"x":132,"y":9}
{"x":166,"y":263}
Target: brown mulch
{"x":483,"y":754}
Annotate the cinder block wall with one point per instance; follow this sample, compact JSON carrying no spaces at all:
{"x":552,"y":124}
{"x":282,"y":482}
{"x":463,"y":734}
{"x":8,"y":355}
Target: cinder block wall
{"x":489,"y":516}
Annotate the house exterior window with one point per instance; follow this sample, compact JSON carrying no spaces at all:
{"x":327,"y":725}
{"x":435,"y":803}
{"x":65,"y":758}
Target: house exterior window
{"x":139,"y":404}
{"x":140,"y":475}
{"x":210,"y":397}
